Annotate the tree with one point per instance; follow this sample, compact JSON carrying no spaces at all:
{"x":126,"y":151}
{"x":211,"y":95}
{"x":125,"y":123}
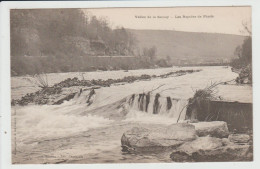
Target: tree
{"x":150,"y":53}
{"x":169,"y":60}
{"x":238,"y":51}
{"x":66,"y":38}
{"x":243,"y":52}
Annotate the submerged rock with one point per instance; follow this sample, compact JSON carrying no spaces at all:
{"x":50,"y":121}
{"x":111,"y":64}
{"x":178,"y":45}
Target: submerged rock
{"x":65,"y":98}
{"x":140,"y":139}
{"x":214,"y":128}
{"x":211,"y":149}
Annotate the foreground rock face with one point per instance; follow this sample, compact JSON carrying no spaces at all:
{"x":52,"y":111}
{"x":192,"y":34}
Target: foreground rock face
{"x":212,"y":149}
{"x":140,"y":139}
{"x":214,"y":144}
{"x":214,"y":128}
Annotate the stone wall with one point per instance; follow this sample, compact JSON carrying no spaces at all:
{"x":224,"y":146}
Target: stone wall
{"x":239,"y":116}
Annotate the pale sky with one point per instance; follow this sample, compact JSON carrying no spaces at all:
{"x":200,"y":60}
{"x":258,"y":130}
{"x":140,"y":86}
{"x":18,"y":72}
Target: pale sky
{"x":225,"y":19}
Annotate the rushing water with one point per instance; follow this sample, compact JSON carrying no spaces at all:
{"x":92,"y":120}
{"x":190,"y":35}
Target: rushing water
{"x":75,"y":132}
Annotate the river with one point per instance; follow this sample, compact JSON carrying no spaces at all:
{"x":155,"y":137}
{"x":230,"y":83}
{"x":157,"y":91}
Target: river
{"x":74,"y":132}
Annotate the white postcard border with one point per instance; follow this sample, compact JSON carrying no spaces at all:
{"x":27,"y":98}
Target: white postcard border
{"x":5,"y":79}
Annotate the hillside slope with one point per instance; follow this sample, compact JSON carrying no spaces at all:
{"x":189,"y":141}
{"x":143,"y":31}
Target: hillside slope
{"x":189,"y":46}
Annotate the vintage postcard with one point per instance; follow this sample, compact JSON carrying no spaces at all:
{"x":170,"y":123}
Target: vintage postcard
{"x":131,"y":85}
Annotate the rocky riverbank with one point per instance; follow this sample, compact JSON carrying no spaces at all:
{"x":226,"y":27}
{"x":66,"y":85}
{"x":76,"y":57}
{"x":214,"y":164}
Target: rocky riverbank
{"x":191,"y":142}
{"x":66,"y":90}
{"x":245,"y":75}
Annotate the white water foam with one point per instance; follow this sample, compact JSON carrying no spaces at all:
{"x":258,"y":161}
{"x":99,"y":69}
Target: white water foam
{"x":36,"y":123}
{"x":144,"y":117}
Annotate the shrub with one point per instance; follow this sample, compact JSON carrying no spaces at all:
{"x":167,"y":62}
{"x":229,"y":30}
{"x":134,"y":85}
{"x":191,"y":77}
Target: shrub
{"x":40,"y":80}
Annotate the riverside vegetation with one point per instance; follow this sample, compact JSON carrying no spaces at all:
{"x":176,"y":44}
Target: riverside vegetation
{"x":69,"y":40}
{"x":243,"y":63}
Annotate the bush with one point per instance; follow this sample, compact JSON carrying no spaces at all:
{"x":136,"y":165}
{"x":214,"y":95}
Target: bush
{"x":40,"y":80}
{"x":198,"y":106}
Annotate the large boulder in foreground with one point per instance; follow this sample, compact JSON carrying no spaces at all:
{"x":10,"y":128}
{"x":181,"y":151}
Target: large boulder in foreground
{"x":217,"y":129}
{"x":212,"y":149}
{"x":140,"y":139}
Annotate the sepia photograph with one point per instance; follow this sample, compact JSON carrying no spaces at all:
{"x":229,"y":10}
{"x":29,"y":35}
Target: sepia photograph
{"x":131,"y":85}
